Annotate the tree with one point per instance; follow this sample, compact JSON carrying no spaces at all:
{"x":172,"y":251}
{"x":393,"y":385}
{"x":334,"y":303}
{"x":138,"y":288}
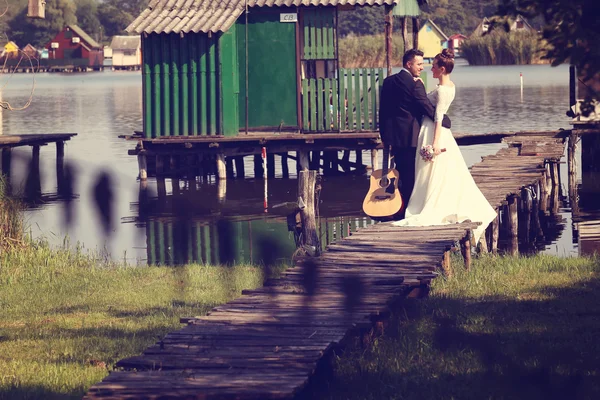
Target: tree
{"x":572,"y":29}
{"x":39,"y":32}
{"x":87,"y":17}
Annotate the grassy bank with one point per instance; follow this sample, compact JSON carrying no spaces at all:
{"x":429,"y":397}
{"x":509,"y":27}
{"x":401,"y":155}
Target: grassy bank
{"x":514,"y":328}
{"x":67,"y":317}
{"x":368,"y":51}
{"x":502,"y":48}
{"x":11,"y":219}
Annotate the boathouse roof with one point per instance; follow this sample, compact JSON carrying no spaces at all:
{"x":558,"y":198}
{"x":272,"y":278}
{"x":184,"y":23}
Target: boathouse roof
{"x":184,"y":16}
{"x":125,"y":42}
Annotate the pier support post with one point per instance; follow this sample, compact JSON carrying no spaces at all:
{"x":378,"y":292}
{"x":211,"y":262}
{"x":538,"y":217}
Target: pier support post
{"x":259,"y":170}
{"x":483,"y":246}
{"x":572,"y":172}
{"x":359,"y":159}
{"x":446,"y":264}
{"x":544,"y":192}
{"x":285,"y":169}
{"x":240,"y":171}
{"x":495,"y":232}
{"x":306,"y":192}
{"x":373,"y":160}
{"x":142,"y":165}
{"x":513,"y":225}
{"x":221,"y":167}
{"x":302,"y":160}
{"x":228,"y":167}
{"x":270,"y":165}
{"x":6,"y":161}
{"x":161,"y":187}
{"x":465,"y":248}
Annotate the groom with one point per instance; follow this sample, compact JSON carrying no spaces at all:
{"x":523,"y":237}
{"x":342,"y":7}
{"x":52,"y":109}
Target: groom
{"x":403,"y":103}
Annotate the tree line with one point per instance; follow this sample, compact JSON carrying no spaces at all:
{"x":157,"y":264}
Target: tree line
{"x":101,"y":19}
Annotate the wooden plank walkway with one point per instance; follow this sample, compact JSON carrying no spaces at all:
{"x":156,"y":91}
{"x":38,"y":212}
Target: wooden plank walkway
{"x":266,"y":344}
{"x":42,"y":139}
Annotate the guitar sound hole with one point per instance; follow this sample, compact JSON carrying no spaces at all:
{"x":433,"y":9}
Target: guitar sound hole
{"x":383,"y":183}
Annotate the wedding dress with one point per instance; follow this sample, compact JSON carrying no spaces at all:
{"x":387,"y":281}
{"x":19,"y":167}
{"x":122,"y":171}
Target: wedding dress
{"x":444,"y":191}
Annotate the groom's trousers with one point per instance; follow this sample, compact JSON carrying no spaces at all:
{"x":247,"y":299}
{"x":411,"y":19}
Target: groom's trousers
{"x":404,"y":159}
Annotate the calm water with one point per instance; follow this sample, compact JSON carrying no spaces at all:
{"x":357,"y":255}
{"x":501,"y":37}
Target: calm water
{"x":101,"y":106}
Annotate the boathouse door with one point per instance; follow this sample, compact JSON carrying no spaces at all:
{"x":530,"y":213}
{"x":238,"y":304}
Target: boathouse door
{"x":272,"y":88}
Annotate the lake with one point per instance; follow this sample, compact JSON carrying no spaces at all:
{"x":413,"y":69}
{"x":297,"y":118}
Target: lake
{"x":99,"y":106}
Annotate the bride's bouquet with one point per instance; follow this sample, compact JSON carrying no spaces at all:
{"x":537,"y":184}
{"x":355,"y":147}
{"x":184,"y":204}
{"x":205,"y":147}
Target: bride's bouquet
{"x":427,"y":153}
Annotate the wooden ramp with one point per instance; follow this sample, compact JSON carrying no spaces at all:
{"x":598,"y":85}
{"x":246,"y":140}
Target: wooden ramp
{"x":267,"y":343}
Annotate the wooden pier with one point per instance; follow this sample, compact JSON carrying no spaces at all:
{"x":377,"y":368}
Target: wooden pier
{"x":266,"y":344}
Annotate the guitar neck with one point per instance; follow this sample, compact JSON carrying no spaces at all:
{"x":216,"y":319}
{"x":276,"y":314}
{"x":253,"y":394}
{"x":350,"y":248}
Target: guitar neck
{"x":386,"y":161}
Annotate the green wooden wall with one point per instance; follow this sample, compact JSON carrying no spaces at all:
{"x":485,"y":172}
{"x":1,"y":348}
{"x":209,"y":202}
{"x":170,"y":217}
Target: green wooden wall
{"x":189,"y":84}
{"x":271,"y":69}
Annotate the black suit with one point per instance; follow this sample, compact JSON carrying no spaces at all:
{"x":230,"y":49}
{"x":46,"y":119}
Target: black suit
{"x":403,"y":103}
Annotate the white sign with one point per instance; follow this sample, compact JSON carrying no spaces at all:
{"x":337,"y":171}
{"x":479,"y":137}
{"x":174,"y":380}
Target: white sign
{"x":288,"y":17}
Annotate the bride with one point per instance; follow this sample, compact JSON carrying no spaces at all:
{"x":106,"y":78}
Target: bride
{"x":444,"y":191}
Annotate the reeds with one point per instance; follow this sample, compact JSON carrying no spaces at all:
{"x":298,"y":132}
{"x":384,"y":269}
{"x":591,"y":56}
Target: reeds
{"x":368,"y":51}
{"x":503,"y":48}
{"x":11,"y":219}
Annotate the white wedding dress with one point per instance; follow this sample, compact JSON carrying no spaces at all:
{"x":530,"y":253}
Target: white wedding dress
{"x":444,"y":191}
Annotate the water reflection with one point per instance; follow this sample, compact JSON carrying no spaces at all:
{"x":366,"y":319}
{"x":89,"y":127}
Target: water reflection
{"x":94,"y":197}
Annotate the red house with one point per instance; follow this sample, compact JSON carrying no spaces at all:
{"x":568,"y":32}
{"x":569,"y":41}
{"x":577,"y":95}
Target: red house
{"x":454,"y":43}
{"x":75,"y":47}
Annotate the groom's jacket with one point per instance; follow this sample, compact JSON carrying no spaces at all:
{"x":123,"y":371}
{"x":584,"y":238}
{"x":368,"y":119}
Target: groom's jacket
{"x":403,"y":103}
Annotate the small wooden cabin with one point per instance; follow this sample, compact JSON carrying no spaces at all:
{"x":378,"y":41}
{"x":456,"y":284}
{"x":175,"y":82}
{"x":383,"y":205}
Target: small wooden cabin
{"x":126,"y":52}
{"x":210,"y":68}
{"x":432,"y":40}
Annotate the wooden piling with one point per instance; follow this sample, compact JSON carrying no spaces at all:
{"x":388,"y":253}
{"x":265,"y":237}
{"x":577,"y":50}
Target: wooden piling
{"x":303,"y":160}
{"x":446,"y":264}
{"x":543,"y":192}
{"x":258,"y":167}
{"x":285,"y":169}
{"x":373,"y":160}
{"x":271,"y":165}
{"x":228,"y":167}
{"x":221,"y":167}
{"x":495,"y":233}
{"x":142,"y":165}
{"x":465,"y":248}
{"x":306,"y":191}
{"x":240,"y":170}
{"x":572,"y":172}
{"x":6,"y":160}
{"x":513,"y":225}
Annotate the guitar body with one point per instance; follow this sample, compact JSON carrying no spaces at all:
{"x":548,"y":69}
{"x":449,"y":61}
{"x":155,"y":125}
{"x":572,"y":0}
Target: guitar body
{"x":383,"y":201}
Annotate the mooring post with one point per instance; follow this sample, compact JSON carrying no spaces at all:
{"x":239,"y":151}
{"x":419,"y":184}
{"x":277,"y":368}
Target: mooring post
{"x":221,"y":167}
{"x":446,"y":264}
{"x":543,"y":192}
{"x":303,"y":161}
{"x":229,"y":167}
{"x":306,"y":193}
{"x":373,"y":159}
{"x":240,"y":171}
{"x":495,"y":232}
{"x":6,"y":160}
{"x":465,"y":248}
{"x":258,"y":166}
{"x":359,"y":159}
{"x":142,"y":165}
{"x":525,"y":223}
{"x":160,"y":177}
{"x":513,"y":224}
{"x":572,"y":172}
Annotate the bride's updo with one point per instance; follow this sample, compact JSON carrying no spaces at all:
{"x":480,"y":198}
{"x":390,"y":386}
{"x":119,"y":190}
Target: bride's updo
{"x":445,"y":59}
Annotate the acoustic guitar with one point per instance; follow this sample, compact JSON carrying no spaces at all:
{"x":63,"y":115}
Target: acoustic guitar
{"x":383,"y":200}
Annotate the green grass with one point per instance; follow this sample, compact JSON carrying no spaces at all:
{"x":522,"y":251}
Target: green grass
{"x":67,"y":317}
{"x":512,"y":328}
{"x":11,"y":219}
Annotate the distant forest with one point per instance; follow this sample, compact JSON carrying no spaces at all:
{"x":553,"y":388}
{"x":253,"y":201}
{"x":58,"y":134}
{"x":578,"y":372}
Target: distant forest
{"x":102,"y":19}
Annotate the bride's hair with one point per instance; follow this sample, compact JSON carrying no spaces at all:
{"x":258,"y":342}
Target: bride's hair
{"x":445,"y":59}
